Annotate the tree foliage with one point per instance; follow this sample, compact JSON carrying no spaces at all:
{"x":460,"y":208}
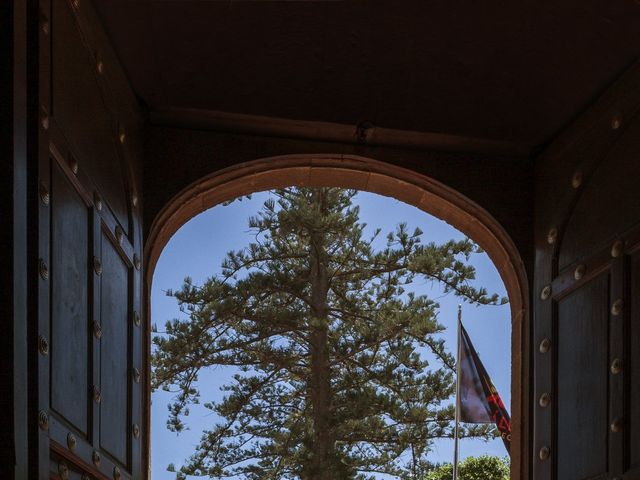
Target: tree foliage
{"x":332,"y":381}
{"x":485,"y":467}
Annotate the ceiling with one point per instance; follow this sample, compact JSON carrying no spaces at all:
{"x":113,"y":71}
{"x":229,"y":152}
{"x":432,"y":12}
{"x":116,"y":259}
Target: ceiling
{"x":514,"y":71}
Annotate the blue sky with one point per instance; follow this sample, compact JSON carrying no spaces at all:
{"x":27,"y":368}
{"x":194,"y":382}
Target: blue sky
{"x":197,"y":250}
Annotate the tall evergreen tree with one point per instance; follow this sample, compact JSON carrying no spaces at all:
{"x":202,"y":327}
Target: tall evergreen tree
{"x":334,"y":381}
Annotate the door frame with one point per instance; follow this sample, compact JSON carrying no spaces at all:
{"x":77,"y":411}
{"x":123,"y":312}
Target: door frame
{"x":361,"y":173}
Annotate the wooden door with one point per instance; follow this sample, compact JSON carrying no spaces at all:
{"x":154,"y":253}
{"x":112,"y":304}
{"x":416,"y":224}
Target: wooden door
{"x":90,"y":338}
{"x":586,"y":350}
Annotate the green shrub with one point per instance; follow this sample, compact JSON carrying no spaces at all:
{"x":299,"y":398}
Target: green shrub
{"x":485,"y":467}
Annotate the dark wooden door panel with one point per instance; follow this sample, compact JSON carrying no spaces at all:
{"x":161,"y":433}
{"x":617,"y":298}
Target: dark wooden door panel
{"x":80,"y":110}
{"x":634,"y":364}
{"x":90,"y":412}
{"x":114,"y":357}
{"x":609,"y":204}
{"x":587,"y":295}
{"x":582,"y":329}
{"x":70,"y":226}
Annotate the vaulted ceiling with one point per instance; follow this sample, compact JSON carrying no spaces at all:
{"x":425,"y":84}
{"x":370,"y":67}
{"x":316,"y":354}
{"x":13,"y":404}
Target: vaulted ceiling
{"x":515,"y":71}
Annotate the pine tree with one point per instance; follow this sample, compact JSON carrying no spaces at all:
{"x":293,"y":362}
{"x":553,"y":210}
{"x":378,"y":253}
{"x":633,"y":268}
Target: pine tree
{"x":332,"y":382}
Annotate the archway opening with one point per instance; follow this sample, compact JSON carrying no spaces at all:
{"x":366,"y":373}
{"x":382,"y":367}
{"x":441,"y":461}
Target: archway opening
{"x":368,"y":176}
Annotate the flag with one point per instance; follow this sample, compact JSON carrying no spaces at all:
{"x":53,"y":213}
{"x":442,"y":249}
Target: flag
{"x":479,"y":401}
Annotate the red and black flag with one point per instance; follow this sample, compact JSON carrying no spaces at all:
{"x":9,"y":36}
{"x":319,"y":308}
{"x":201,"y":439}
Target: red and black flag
{"x":478,"y":400}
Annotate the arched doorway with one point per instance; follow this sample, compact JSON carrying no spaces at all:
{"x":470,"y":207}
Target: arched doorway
{"x":376,"y":177}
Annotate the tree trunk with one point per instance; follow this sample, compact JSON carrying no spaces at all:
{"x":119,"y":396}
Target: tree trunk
{"x":323,"y":446}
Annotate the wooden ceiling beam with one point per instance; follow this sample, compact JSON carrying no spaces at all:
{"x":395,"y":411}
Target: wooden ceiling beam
{"x":363,"y":133}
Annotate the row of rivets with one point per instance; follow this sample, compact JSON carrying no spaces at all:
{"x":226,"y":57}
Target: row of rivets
{"x":97,"y":265}
{"x":616,"y":248}
{"x":616,"y":251}
{"x":616,"y":309}
{"x":545,"y":398}
{"x":618,"y":305}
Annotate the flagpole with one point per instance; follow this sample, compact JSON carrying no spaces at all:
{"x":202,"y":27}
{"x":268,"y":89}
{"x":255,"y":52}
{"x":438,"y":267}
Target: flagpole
{"x":457,"y":415}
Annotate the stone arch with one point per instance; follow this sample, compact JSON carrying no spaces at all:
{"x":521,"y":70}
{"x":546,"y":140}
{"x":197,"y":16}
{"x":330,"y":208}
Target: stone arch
{"x":361,"y":173}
